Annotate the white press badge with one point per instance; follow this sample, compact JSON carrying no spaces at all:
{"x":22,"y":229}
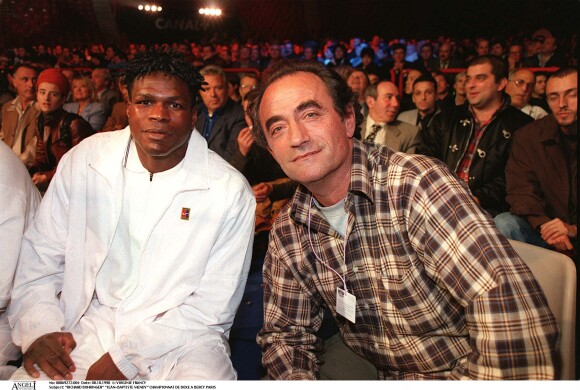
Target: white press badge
{"x":346,"y":304}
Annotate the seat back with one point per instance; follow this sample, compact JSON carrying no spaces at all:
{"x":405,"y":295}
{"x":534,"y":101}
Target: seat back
{"x":556,"y":275}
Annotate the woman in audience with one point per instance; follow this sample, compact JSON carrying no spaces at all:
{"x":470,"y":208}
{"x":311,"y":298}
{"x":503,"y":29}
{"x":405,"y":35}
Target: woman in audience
{"x":85,"y":102}
{"x":57,"y":130}
{"x":459,"y":88}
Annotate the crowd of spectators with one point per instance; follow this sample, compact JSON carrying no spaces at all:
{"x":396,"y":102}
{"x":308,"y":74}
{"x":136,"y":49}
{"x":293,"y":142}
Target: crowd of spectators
{"x":412,"y":95}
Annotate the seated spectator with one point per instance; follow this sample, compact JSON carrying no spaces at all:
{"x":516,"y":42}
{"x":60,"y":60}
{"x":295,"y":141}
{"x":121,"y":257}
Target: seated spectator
{"x":515,"y":56}
{"x":424,"y":94}
{"x":407,"y":100}
{"x":103,"y":83}
{"x":85,"y":103}
{"x":244,"y":61}
{"x":233,"y":86}
{"x":381,"y":125}
{"x":338,"y":56}
{"x":358,"y":81}
{"x":18,"y":129}
{"x":57,"y":130}
{"x":219,"y":118}
{"x":482,"y":46}
{"x":548,"y":54}
{"x":248,"y":82}
{"x":20,"y":198}
{"x":445,"y":60}
{"x":474,"y":140}
{"x":459,"y":88}
{"x":445,"y":99}
{"x":498,"y":48}
{"x":119,"y":119}
{"x":139,"y":253}
{"x":539,"y":92}
{"x":519,"y":88}
{"x":541,"y":173}
{"x":423,"y":63}
{"x":398,"y":63}
{"x":368,"y":64}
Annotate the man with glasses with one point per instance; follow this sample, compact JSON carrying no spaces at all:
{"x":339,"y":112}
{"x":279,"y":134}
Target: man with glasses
{"x":519,"y":87}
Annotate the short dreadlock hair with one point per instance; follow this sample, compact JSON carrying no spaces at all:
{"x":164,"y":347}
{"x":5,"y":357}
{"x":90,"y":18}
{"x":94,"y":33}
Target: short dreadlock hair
{"x":167,"y":62}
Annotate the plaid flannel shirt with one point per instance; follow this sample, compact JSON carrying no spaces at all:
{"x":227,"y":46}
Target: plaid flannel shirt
{"x":440,"y":292}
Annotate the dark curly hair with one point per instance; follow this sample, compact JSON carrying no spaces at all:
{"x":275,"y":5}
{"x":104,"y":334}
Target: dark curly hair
{"x":170,"y":63}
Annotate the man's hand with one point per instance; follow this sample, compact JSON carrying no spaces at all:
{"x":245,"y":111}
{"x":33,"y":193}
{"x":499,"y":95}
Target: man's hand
{"x":553,"y":231}
{"x":51,"y":353}
{"x":562,"y":243}
{"x":245,"y":141}
{"x":105,"y":369}
{"x":39,"y":179}
{"x":262,"y":191}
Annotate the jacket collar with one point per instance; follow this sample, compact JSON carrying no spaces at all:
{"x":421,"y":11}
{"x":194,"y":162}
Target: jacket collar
{"x":550,"y":132}
{"x":196,"y":173}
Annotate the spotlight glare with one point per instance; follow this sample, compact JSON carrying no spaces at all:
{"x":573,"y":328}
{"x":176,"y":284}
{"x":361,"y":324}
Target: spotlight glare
{"x":140,"y":7}
{"x":147,"y":7}
{"x":154,"y":8}
{"x":218,"y":12}
{"x":159,"y":8}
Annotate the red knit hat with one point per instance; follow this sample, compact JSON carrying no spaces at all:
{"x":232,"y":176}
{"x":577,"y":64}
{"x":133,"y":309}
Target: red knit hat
{"x":54,"y":76}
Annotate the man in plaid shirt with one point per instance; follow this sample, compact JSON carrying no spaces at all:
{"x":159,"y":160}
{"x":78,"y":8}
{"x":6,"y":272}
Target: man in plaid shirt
{"x":418,"y":279}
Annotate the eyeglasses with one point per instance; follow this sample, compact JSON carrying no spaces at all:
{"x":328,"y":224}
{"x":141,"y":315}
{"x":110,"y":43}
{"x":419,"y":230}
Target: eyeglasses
{"x":248,"y":86}
{"x":522,"y":83}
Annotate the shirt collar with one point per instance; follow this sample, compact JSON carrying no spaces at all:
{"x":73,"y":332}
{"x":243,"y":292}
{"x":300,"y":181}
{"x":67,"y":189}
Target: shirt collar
{"x":360,"y":182}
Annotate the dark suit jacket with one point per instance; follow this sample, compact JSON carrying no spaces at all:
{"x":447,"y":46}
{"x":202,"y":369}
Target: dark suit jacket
{"x":224,"y":136}
{"x":434,"y":63}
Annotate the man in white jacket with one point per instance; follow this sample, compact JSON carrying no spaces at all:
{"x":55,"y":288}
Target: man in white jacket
{"x":20,"y":199}
{"x":137,"y":260}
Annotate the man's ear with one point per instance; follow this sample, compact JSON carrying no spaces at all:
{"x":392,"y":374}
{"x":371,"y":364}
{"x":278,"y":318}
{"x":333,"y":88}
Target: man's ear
{"x":502,"y":84}
{"x":350,"y":121}
{"x":370,"y":101}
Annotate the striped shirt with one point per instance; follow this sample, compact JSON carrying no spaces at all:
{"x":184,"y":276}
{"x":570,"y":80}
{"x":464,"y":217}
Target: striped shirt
{"x":439,"y":291}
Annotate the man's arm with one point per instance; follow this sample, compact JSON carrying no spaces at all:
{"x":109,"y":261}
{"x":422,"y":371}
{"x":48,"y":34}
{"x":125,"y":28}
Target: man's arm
{"x":289,"y":345}
{"x":511,"y":328}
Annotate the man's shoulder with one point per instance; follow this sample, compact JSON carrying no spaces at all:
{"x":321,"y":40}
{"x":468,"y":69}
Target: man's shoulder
{"x":409,"y":116}
{"x":514,"y":118}
{"x":540,"y":129}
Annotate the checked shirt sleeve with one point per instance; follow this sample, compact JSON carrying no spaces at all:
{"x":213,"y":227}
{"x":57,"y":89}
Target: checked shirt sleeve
{"x":511,"y":328}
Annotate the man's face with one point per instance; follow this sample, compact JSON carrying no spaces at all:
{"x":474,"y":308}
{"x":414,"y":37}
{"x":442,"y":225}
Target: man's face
{"x":399,"y":55}
{"x":386,"y":106}
{"x":309,"y":54}
{"x":305,"y":134}
{"x":540,"y":86}
{"x":483,"y":47}
{"x":244,"y":53}
{"x":411,"y":77}
{"x":515,"y":53}
{"x":207,"y":51}
{"x":99,"y":79}
{"x":49,"y":97}
{"x":24,"y":81}
{"x":426,"y":52}
{"x":161,"y":115}
{"x":520,"y":87}
{"x":274,"y":51}
{"x":247,"y":84}
{"x":482,"y":90}
{"x":357,"y":81}
{"x":424,"y":96}
{"x":562,"y":95}
{"x":497,"y":50}
{"x":442,"y":84}
{"x":215,"y":95}
{"x":444,"y":52}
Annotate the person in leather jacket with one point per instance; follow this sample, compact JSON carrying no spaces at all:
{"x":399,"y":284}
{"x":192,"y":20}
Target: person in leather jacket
{"x":475,"y":139}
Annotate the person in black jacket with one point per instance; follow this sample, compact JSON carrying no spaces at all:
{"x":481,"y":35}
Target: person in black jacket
{"x":475,"y":139}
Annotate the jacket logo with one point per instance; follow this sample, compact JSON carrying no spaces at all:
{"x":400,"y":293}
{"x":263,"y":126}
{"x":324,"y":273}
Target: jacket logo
{"x":465,"y":122}
{"x":453,"y":148}
{"x":185,"y":213}
{"x":506,"y":134}
{"x":481,"y":153}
